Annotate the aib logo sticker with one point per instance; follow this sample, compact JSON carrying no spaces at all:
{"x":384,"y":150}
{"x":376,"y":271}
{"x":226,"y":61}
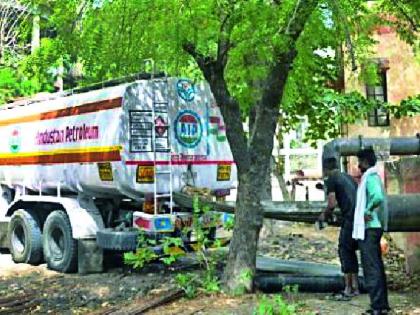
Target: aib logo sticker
{"x":15,"y":141}
{"x":188,"y":129}
{"x":186,"y":90}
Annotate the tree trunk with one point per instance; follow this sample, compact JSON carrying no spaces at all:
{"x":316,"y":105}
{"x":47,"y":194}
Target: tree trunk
{"x":252,"y":157}
{"x":240,"y":270}
{"x":36,"y":38}
{"x":266,"y":193}
{"x":282,"y":183}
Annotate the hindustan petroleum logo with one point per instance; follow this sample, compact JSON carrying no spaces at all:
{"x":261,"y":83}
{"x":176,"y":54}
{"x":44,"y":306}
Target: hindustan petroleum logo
{"x":188,"y":129}
{"x":15,"y":141}
{"x":186,"y":90}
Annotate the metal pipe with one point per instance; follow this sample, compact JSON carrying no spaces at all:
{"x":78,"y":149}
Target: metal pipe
{"x":351,"y":146}
{"x":404,"y":213}
{"x":271,"y":283}
{"x":404,"y":210}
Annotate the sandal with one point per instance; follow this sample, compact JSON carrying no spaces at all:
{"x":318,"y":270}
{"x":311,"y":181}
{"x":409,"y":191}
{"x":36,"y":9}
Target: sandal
{"x":342,"y":297}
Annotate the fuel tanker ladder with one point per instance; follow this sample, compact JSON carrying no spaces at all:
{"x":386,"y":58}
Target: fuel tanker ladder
{"x":83,"y":171}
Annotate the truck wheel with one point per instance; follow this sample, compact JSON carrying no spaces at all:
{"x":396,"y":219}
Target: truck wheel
{"x":25,"y":238}
{"x":112,"y":239}
{"x":60,"y":249}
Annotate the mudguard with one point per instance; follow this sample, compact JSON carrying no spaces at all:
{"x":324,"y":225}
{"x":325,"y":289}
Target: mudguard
{"x":84,"y":216}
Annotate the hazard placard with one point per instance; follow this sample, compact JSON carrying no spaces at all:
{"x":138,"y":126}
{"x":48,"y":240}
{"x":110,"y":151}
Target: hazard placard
{"x":145,"y":174}
{"x":223,"y":172}
{"x":105,"y":172}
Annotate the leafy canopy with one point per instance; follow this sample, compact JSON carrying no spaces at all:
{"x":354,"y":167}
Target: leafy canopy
{"x":112,"y":38}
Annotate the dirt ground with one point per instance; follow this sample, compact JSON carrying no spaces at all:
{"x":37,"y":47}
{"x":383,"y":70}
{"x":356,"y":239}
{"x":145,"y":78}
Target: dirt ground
{"x":28,"y":289}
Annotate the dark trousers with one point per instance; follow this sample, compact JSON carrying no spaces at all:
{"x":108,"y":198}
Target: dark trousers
{"x":347,"y":248}
{"x":373,"y":269}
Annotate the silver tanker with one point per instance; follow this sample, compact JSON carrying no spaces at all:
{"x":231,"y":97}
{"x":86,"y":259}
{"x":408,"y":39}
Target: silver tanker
{"x":69,"y":162}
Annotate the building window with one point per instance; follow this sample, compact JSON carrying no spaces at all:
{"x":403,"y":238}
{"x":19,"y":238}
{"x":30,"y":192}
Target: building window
{"x":379,"y":116}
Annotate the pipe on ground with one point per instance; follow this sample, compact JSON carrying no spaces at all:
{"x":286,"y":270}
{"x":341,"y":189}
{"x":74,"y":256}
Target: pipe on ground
{"x":274,"y":274}
{"x":271,"y":283}
{"x":266,"y":264}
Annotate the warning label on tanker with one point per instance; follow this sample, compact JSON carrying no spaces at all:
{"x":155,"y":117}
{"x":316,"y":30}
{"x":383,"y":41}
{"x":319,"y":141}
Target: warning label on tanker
{"x":145,"y":174}
{"x":223,"y":172}
{"x":143,"y":130}
{"x":105,"y":172}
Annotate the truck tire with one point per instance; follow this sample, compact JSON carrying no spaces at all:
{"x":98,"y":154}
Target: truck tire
{"x":60,"y":249}
{"x":25,"y":238}
{"x":112,"y":239}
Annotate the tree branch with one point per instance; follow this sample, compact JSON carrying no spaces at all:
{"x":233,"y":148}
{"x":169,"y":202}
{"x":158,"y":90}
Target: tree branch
{"x":79,"y":15}
{"x":223,"y":44}
{"x":410,"y":20}
{"x":267,"y":109}
{"x":11,"y":14}
{"x":349,"y":43}
{"x":292,"y":18}
{"x":202,"y":61}
{"x":213,"y":71}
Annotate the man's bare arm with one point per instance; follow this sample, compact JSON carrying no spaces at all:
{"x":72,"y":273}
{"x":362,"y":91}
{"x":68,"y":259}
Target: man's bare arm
{"x":331,"y":204}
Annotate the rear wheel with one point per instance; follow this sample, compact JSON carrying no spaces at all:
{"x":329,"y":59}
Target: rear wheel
{"x":60,"y":249}
{"x":25,"y":238}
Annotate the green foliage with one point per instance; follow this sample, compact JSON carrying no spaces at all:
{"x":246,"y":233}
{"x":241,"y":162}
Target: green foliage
{"x":12,"y":85}
{"x":369,"y":74}
{"x":113,"y":38}
{"x":168,"y":243}
{"x":188,"y":283}
{"x":230,"y":223}
{"x":331,"y":110}
{"x":407,"y":107}
{"x":145,"y":253}
{"x":277,"y":304}
{"x":210,"y":282}
{"x":403,"y":15}
{"x":139,"y":258}
{"x":245,"y":278}
{"x":291,"y":288}
{"x":42,"y":66}
{"x":274,"y":306}
{"x":191,"y":284}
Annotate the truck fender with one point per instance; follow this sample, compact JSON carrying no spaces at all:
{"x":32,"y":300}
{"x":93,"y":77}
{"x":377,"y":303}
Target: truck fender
{"x":83,"y":214}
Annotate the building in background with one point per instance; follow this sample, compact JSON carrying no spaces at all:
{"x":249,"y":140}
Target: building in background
{"x":399,"y":78}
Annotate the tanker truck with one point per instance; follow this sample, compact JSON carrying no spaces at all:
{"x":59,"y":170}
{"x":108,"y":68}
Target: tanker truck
{"x":75,"y":165}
